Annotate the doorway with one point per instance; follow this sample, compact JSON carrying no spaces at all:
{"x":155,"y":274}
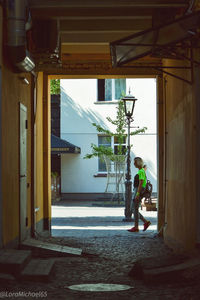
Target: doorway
{"x":84,"y":101}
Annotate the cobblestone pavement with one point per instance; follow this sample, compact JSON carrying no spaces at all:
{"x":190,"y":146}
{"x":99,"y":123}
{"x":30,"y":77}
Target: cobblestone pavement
{"x":109,"y":251}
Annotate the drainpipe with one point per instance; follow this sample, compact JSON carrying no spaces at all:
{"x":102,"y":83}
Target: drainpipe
{"x":165,"y":155}
{"x":196,"y":91}
{"x":16,"y":35}
{"x":33,"y":155}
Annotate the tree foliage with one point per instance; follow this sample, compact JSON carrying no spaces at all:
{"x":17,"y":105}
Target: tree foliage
{"x":55,"y":86}
{"x":120,"y":133}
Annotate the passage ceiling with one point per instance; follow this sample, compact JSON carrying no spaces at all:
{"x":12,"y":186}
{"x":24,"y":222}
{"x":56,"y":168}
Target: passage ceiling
{"x":86,"y":28}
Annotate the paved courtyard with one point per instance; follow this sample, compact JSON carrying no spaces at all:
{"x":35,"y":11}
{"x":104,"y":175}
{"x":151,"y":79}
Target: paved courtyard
{"x":109,"y":252}
{"x":73,"y":219}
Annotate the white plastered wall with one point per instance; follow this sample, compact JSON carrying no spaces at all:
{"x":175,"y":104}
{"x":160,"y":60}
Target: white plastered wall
{"x":79,"y":109}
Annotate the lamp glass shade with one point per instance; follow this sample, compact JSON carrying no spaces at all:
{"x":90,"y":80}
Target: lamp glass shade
{"x":129,"y":103}
{"x":129,"y":107}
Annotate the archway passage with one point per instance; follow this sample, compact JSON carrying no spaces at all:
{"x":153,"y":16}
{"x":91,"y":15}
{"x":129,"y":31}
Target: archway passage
{"x":69,"y":38}
{"x":85,"y":53}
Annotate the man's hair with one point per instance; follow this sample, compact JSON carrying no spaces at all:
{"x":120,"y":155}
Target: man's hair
{"x":139,"y":160}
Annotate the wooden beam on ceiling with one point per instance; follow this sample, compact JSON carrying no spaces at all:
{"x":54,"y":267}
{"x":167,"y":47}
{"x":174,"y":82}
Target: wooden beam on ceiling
{"x":96,"y":70}
{"x":65,"y":75}
{"x":107,"y":3}
{"x":89,"y":57}
{"x":93,"y":37}
{"x":102,"y":26}
{"x":86,"y":57}
{"x":85,"y":48}
{"x":89,"y":13}
{"x":47,"y":9}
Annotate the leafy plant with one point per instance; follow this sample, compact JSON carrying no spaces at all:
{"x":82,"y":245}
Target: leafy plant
{"x":55,"y":86}
{"x":119,"y":133}
{"x":99,"y":150}
{"x":54,"y":174}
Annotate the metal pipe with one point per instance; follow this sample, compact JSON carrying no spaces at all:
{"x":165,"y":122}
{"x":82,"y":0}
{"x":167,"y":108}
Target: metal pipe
{"x":16,"y":35}
{"x":165,"y":156}
{"x":33,"y":154}
{"x":16,"y":20}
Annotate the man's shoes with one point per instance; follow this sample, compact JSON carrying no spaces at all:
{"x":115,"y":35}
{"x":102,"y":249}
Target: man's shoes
{"x":146,"y":225}
{"x":133,"y":229}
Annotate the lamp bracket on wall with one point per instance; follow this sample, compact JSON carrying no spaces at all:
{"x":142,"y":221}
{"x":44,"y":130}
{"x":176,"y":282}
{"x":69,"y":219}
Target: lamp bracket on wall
{"x":165,"y":69}
{"x":182,"y":51}
{"x":186,"y":57}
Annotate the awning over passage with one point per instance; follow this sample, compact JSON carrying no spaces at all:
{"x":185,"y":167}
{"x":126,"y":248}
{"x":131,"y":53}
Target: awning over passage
{"x":59,"y":146}
{"x":160,"y":41}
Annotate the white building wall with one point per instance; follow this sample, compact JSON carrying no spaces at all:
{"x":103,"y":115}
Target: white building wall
{"x":79,"y":109}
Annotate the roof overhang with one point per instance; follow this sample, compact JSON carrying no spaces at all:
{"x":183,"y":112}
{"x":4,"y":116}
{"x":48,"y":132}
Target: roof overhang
{"x":60,"y":146}
{"x":75,"y":150}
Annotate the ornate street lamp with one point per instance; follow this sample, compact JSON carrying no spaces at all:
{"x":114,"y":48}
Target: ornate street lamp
{"x":129,"y":104}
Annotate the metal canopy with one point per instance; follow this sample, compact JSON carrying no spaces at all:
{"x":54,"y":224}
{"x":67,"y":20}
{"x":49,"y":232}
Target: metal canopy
{"x":59,"y":146}
{"x":155,"y":40}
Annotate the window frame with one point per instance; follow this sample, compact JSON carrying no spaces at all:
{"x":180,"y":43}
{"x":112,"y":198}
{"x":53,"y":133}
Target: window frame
{"x":117,"y":144}
{"x":101,"y":90}
{"x":112,"y":145}
{"x":103,"y":135}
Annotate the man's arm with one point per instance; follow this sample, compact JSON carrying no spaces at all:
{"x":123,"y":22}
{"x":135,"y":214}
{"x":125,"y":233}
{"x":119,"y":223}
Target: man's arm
{"x":139,"y":187}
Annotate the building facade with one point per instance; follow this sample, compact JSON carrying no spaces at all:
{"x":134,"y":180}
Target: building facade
{"x":87,"y":101}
